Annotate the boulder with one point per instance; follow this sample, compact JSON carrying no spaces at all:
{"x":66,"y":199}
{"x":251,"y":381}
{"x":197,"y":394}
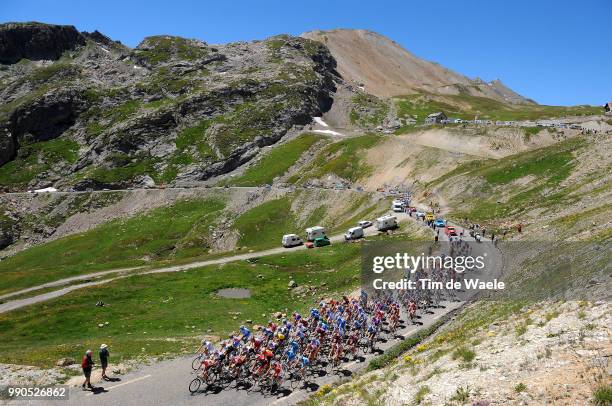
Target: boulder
{"x":147,"y":182}
{"x":64,"y":362}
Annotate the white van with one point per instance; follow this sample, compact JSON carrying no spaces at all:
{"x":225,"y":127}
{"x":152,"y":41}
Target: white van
{"x":314,"y":232}
{"x":398,"y":206}
{"x":291,"y":240}
{"x":385,"y":223}
{"x":353,"y":233}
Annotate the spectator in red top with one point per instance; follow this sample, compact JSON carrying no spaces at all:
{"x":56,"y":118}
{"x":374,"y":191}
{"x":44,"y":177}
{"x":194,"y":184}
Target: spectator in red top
{"x":87,"y":365}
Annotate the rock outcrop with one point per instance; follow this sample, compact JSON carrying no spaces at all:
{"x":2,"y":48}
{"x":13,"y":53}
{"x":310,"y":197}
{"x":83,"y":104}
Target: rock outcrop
{"x":36,"y":41}
{"x":47,"y":117}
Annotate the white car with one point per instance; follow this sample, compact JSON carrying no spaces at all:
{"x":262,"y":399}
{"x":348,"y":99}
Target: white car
{"x":364,"y":224}
{"x":419,"y":214}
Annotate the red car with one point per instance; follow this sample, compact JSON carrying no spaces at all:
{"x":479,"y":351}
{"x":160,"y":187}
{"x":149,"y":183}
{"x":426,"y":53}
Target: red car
{"x":412,"y":209}
{"x":450,"y":231}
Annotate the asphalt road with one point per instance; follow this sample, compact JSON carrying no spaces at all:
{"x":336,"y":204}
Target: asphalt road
{"x":166,"y":383}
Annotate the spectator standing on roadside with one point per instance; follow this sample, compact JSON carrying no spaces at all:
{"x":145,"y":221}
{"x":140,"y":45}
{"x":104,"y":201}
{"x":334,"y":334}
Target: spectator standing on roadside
{"x":87,"y":364}
{"x":104,"y":360}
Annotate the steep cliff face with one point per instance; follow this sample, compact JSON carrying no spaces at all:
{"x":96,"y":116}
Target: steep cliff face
{"x":104,"y":115}
{"x":36,"y":41}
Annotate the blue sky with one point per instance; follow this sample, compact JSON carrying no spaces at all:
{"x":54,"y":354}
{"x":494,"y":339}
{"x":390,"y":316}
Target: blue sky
{"x":556,"y":52}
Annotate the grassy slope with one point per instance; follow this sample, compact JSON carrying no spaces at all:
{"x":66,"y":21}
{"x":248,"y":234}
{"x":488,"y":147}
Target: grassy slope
{"x":547,"y":167}
{"x":263,"y":226}
{"x":143,"y":311}
{"x":36,"y":158}
{"x":368,"y":111}
{"x":467,"y":107}
{"x":340,"y":158}
{"x":275,"y":163}
{"x":174,"y":231}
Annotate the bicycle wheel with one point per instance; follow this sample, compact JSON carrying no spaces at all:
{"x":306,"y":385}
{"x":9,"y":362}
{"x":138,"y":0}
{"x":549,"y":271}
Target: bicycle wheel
{"x":194,"y":385}
{"x":260,"y":383}
{"x":276,"y":385}
{"x":296,"y":382}
{"x":195,"y":364}
{"x":252,"y":384}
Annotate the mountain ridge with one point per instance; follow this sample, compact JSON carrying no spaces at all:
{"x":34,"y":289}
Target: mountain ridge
{"x":101,"y":115}
{"x":386,"y":69}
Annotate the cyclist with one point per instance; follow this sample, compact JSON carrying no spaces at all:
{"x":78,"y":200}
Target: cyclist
{"x":304,"y":362}
{"x":246,"y":333}
{"x":272,"y":326}
{"x":276,"y":371}
{"x":206,"y":348}
{"x":313,"y":349}
{"x":256,"y":343}
{"x":207,"y":364}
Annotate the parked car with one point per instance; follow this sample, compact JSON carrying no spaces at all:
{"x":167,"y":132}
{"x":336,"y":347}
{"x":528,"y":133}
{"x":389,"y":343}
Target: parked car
{"x":291,"y":240}
{"x":412,"y":209}
{"x":364,"y":224}
{"x":429,"y":217}
{"x":420,"y":214}
{"x":321,"y":241}
{"x":353,"y":233}
{"x":450,"y":231}
{"x":440,"y":223}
